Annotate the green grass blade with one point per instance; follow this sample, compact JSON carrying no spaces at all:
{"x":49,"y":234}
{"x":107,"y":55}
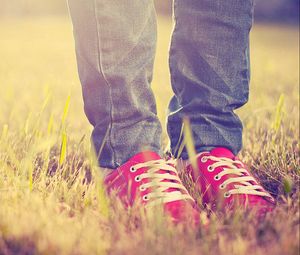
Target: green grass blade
{"x":66,"y":110}
{"x":50,"y":124}
{"x":63,"y":148}
{"x":189,"y":143}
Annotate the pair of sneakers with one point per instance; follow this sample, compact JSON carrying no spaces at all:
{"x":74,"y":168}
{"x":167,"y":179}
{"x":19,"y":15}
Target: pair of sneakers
{"x":221,"y":178}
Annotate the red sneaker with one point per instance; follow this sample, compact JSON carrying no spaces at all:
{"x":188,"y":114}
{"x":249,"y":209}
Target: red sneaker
{"x":224,"y":181}
{"x":151,"y":180}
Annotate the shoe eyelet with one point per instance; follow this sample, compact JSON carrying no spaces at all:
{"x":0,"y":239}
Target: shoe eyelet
{"x":137,"y":178}
{"x":227,"y":195}
{"x":210,"y":168}
{"x":204,"y":159}
{"x":145,"y":198}
{"x":132,"y":169}
{"x":142,"y":188}
{"x":217,"y":177}
{"x":222,"y":186}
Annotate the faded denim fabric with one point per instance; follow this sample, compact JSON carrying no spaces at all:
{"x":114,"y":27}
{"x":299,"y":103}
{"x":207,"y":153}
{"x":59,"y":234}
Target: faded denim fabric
{"x":209,"y":63}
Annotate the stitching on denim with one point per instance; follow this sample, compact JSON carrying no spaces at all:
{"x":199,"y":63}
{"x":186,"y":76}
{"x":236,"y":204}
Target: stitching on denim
{"x":171,"y":67}
{"x":107,"y":82}
{"x":172,"y":46}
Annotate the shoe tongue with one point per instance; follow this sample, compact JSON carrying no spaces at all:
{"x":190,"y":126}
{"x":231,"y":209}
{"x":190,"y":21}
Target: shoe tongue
{"x":148,"y":156}
{"x":145,"y":156}
{"x":222,"y":152}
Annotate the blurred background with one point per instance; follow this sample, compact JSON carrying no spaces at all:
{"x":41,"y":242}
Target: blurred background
{"x":38,"y":59}
{"x":265,"y":10}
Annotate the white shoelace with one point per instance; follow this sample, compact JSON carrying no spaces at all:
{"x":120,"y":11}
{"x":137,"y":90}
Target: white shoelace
{"x":245,"y":184}
{"x":161,"y":182}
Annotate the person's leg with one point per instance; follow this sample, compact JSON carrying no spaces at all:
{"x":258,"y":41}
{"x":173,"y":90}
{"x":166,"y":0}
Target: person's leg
{"x":209,"y":64}
{"x":115,"y":46}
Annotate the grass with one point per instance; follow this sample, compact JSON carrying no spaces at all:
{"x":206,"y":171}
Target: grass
{"x":46,"y":205}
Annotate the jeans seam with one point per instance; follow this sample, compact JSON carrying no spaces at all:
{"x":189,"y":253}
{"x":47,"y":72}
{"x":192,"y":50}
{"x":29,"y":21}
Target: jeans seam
{"x":172,"y":47}
{"x":100,"y":66}
{"x":171,"y":67}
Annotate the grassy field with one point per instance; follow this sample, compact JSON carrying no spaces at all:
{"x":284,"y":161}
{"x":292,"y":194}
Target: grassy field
{"x":45,"y":208}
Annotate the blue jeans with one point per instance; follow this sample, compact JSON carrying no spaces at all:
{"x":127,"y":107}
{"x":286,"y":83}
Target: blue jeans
{"x":209,"y":64}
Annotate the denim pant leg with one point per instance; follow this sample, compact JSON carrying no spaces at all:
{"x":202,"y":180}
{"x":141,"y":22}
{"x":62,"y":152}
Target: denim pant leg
{"x":209,"y":65}
{"x":115,"y":46}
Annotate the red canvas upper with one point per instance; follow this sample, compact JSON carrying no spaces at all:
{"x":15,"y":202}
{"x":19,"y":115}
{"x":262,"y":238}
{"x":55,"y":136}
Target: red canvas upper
{"x":148,"y":179}
{"x":224,"y":181}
